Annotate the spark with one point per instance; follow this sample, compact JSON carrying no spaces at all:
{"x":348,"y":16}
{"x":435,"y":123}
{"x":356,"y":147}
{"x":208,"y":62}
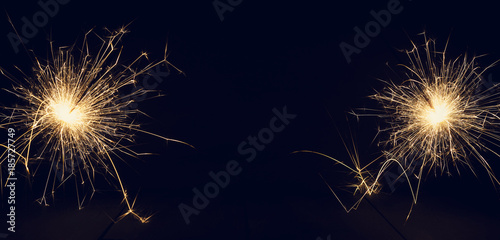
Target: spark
{"x":72,"y":109}
{"x":440,"y":115}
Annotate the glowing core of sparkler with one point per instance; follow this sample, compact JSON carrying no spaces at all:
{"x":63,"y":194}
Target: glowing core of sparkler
{"x":437,"y":113}
{"x":66,"y":113}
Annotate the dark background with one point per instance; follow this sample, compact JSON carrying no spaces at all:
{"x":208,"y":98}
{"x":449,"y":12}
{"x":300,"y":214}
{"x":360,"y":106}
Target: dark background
{"x":264,"y":55}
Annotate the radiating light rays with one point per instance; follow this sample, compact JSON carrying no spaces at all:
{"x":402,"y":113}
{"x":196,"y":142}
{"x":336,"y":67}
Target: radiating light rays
{"x":70,"y":109}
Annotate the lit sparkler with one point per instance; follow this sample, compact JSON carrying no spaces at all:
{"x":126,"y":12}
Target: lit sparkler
{"x":72,"y":110}
{"x":439,"y":116}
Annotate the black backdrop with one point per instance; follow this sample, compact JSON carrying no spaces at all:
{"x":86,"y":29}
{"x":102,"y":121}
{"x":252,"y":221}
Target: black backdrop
{"x":263,"y":55}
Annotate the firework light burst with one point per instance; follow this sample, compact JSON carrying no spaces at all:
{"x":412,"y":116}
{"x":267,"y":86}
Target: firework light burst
{"x":438,"y":120}
{"x":72,"y":112}
{"x":441,"y":115}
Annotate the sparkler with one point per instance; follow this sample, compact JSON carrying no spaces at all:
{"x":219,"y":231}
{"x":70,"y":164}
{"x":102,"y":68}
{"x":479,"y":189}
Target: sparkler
{"x":439,"y":116}
{"x":72,"y":111}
